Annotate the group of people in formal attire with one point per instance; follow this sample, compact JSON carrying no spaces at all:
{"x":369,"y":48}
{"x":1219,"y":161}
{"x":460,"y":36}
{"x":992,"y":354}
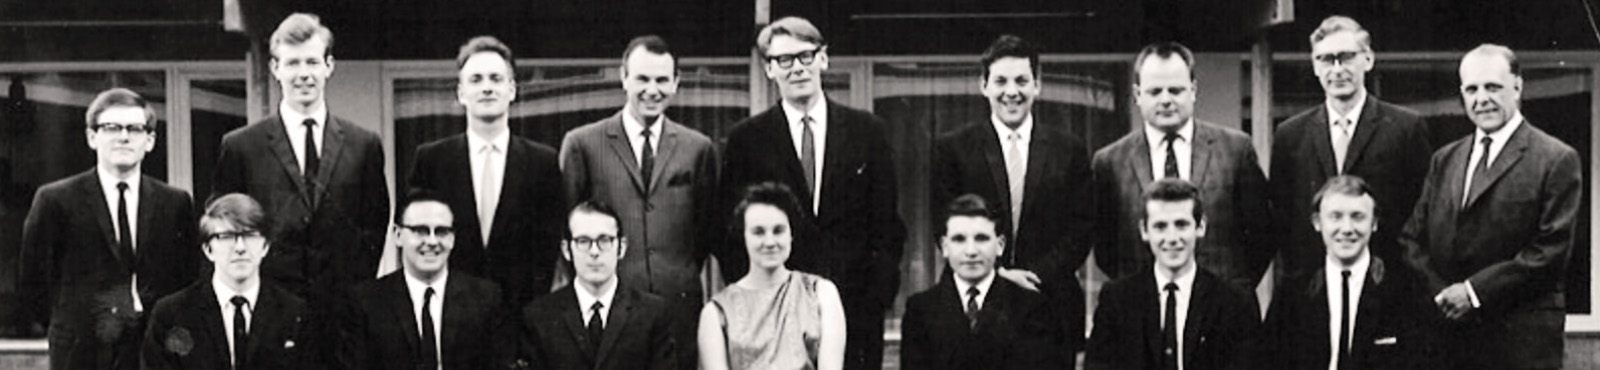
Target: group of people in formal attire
{"x":1393,"y":256}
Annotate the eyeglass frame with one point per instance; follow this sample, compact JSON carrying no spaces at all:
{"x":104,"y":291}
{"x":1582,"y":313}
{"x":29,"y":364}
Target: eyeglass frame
{"x":605,"y":243}
{"x":1336,"y":59}
{"x":118,"y":128}
{"x":254,"y":236}
{"x":788,"y":60}
{"x":424,"y":231}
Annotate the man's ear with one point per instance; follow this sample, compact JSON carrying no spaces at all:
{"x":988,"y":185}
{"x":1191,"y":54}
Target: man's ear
{"x":622,"y":247}
{"x":566,"y":250}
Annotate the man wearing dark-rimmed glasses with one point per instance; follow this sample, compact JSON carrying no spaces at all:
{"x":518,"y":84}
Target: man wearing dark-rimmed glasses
{"x":425,"y":316}
{"x":840,"y":164}
{"x":100,"y":247}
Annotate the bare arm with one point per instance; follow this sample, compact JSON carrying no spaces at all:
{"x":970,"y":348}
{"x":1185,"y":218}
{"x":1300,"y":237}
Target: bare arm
{"x":713,"y":346}
{"x":831,"y":354}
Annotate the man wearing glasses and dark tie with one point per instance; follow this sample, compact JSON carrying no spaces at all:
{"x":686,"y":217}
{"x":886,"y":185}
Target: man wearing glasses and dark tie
{"x":425,"y":316}
{"x":100,"y":247}
{"x":840,"y":165}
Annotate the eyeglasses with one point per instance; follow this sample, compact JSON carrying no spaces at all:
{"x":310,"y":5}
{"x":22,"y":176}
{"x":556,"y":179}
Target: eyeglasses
{"x":787,"y":60}
{"x":248,"y":237}
{"x":605,"y":243}
{"x":424,"y":230}
{"x":113,"y":129}
{"x":1343,"y":57}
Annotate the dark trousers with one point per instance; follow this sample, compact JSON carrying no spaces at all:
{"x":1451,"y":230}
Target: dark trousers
{"x":863,"y":349}
{"x":113,"y":343}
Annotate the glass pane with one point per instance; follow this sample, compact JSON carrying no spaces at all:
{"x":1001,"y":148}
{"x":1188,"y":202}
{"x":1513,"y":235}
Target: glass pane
{"x":215,"y":107}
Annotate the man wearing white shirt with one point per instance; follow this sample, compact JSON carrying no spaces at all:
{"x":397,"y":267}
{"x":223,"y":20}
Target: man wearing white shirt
{"x":425,"y":316}
{"x":235,"y":319}
{"x":1203,"y":321}
{"x":1493,"y":229}
{"x":1173,"y":144}
{"x":98,"y":248}
{"x":506,"y":190}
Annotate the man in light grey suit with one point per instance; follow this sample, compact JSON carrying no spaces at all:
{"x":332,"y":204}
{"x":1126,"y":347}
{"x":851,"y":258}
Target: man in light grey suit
{"x":660,"y":176}
{"x":1171,"y":143}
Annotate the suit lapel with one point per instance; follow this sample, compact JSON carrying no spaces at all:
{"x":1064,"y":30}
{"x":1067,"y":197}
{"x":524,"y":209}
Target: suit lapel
{"x":989,"y":143}
{"x":1371,"y":123}
{"x":401,"y":307}
{"x":1322,"y":143}
{"x":1200,"y":311}
{"x":1316,"y":325}
{"x":94,"y":200}
{"x":618,"y":140}
{"x":1040,"y":163}
{"x":454,"y":315}
{"x":1147,"y":298}
{"x":1201,"y":150}
{"x":1455,"y":175}
{"x":616,"y":322}
{"x":278,"y":139}
{"x":328,"y":159}
{"x":204,"y":309}
{"x":458,"y":163}
{"x":267,"y":315}
{"x":777,"y":126}
{"x":1369,"y":310}
{"x":1509,"y":156}
{"x":148,"y":204}
{"x":573,"y":317}
{"x":512,"y":178}
{"x":1139,"y":159}
{"x":664,"y":153}
{"x":835,"y":158}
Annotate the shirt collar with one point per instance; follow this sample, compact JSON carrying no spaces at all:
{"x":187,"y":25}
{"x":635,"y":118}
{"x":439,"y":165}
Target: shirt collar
{"x":108,"y":182}
{"x":293,"y":117}
{"x":419,"y":288}
{"x":635,"y":128}
{"x":1156,"y":136}
{"x":225,"y":293}
{"x":1504,"y":133}
{"x":983,"y":285}
{"x":1355,"y":111}
{"x":818,"y":111}
{"x":1004,"y":131}
{"x":475,"y":143}
{"x":1184,"y":279}
{"x":1359,"y":269}
{"x":586,"y":300}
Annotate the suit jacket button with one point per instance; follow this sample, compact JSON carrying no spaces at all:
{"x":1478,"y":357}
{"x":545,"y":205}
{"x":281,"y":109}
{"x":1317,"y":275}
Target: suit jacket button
{"x":306,"y":220}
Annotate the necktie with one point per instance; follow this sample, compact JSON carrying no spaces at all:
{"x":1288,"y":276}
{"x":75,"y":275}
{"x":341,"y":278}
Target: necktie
{"x":648,"y":164}
{"x":241,"y":332}
{"x":1169,"y":329}
{"x":972,"y":307}
{"x":596,"y":326}
{"x":1016,"y":174}
{"x":312,"y":163}
{"x":430,"y":351}
{"x":488,"y":192}
{"x":1341,"y":142}
{"x":808,"y":154}
{"x":1480,"y":174}
{"x":124,"y":228}
{"x":1171,"y":169}
{"x":1344,"y":319}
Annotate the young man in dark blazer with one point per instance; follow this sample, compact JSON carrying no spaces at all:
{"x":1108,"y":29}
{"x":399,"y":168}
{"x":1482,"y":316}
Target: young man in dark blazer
{"x":1493,"y":230}
{"x":1352,"y":133}
{"x":1359,"y":310}
{"x":1038,"y":176}
{"x":663,"y":186}
{"x":234,"y":319}
{"x":839,"y":162}
{"x":506,"y":190}
{"x":1173,"y":144}
{"x":425,"y":316}
{"x":1173,"y":314}
{"x":598,"y":322}
{"x":972,"y":320}
{"x":100,"y":247}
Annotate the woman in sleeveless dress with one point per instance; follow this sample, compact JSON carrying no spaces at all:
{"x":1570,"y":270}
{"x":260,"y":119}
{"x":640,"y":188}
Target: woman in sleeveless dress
{"x":773,"y":318}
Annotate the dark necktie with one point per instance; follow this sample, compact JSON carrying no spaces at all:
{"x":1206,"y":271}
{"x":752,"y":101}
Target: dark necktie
{"x":124,"y":228}
{"x":1480,"y":175}
{"x":808,"y":154}
{"x":430,"y":351}
{"x":1344,"y":320}
{"x":1171,"y":169}
{"x":596,"y":326}
{"x":647,"y":165}
{"x":1169,"y":331}
{"x":312,"y":163}
{"x":241,"y":333}
{"x":972,"y":307}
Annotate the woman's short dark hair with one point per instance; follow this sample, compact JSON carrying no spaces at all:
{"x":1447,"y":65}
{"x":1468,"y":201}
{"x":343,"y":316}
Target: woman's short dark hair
{"x":769,"y":193}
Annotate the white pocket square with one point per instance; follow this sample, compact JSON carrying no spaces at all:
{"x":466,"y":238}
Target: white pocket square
{"x":1385,"y":341}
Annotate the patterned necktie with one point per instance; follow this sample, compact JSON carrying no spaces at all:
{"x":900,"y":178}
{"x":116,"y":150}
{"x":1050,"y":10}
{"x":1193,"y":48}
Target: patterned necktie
{"x":808,"y":153}
{"x":1016,"y":174}
{"x":1171,"y":168}
{"x":312,"y":163}
{"x":972,"y":307}
{"x":1169,"y":329}
{"x":1341,"y":143}
{"x":430,"y":351}
{"x":1480,"y":174}
{"x":241,"y":332}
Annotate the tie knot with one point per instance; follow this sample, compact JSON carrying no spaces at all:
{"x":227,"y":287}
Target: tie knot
{"x":597,"y":306}
{"x":428,"y":293}
{"x":1345,"y":273}
{"x":308,"y":123}
{"x":122,"y":186}
{"x":807,"y":120}
{"x":1486,"y":140}
{"x":1171,"y":137}
{"x":646,"y":133}
{"x":239,"y":300}
{"x":488,"y":148}
{"x":1014,"y":136}
{"x":1342,"y":122}
{"x":1170,"y":287}
{"x":972,"y":291}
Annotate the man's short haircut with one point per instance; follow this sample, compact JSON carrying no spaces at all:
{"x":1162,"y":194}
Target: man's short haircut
{"x":653,"y":44}
{"x":1014,"y":47}
{"x":486,"y":44}
{"x":1346,"y":185}
{"x":1163,"y":50}
{"x":118,"y":97}
{"x":1173,"y":189}
{"x":299,"y":28}
{"x":237,"y":210}
{"x":1502,"y":52}
{"x":415,"y":197}
{"x":593,"y":207}
{"x":968,"y":205}
{"x":1339,"y":23}
{"x":768,"y":193}
{"x":796,"y":27}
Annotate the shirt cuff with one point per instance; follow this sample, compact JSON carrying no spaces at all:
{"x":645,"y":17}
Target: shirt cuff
{"x":1473,"y":294}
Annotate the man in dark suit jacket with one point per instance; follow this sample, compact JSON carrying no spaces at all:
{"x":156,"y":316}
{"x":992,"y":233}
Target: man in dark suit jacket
{"x":425,"y":316}
{"x":666,"y":197}
{"x":1171,"y":143}
{"x":1493,"y":229}
{"x":598,"y":322}
{"x":234,"y":319}
{"x":1133,"y":325}
{"x":520,"y":193}
{"x":973,"y":320}
{"x":1384,"y":144}
{"x":1049,"y":209}
{"x":852,"y":233}
{"x":101,"y":246}
{"x":319,"y":176}
{"x":1358,"y":311}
